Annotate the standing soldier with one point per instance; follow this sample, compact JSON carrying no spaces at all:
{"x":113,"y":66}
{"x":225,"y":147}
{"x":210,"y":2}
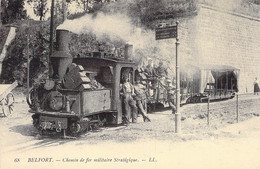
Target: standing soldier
{"x":129,"y":102}
{"x":140,"y":91}
{"x":256,"y":87}
{"x":149,"y":72}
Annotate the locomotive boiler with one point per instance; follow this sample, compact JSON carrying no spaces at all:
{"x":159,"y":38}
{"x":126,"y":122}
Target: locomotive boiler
{"x":82,"y":93}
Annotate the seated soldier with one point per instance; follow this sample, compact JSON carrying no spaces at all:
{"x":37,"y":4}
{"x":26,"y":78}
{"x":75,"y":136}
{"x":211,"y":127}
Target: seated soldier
{"x":149,"y":70}
{"x":160,"y":71}
{"x":160,"y":75}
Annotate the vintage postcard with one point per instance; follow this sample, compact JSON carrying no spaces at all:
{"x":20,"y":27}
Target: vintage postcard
{"x":129,"y":84}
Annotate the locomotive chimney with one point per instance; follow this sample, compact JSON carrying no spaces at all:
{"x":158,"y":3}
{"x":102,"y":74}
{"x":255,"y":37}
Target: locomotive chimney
{"x":129,"y":52}
{"x":61,"y":58}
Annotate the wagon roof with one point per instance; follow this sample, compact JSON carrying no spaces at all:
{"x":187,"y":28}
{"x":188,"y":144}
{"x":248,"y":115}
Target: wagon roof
{"x":213,"y":67}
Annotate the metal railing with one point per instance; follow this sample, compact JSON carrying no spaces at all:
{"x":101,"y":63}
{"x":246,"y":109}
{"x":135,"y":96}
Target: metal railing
{"x":213,"y":114}
{"x":237,"y":107}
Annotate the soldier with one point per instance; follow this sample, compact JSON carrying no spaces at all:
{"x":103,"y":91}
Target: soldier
{"x":140,"y":97}
{"x":161,"y":74}
{"x":160,"y":71}
{"x":256,"y":87}
{"x":149,"y":70}
{"x":129,"y":102}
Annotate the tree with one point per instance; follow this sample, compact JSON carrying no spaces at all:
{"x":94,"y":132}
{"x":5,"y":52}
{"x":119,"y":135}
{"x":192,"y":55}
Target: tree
{"x":85,"y":4}
{"x":12,"y":10}
{"x":64,"y":10}
{"x":16,"y":9}
{"x":0,"y":14}
{"x":40,"y":7}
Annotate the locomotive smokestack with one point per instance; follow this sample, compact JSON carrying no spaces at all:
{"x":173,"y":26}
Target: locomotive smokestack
{"x":62,"y":38}
{"x":129,"y":52}
{"x":61,"y":58}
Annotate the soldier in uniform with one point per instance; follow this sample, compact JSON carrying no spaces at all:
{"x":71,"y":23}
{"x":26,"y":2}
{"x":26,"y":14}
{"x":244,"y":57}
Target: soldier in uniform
{"x":160,"y":74}
{"x":160,"y":71}
{"x":149,"y":70}
{"x":129,"y":102}
{"x":256,"y":87}
{"x":140,"y":97}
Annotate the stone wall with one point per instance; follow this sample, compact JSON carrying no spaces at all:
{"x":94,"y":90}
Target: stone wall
{"x":215,"y":36}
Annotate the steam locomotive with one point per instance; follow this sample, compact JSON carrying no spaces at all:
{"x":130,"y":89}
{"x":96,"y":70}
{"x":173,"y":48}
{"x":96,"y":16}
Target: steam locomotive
{"x":83,"y":93}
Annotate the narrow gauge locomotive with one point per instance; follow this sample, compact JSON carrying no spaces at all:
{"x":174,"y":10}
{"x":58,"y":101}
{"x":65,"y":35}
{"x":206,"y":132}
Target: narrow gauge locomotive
{"x":67,"y":103}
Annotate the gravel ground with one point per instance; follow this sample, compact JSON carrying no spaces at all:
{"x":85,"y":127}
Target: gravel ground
{"x":161,"y":127}
{"x":204,"y":146}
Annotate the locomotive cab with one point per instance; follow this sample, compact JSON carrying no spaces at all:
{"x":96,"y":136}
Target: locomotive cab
{"x":109,"y":74}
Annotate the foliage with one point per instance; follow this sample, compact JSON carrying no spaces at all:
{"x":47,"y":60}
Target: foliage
{"x":12,"y":10}
{"x":40,"y":7}
{"x":84,"y":3}
{"x":15,"y":64}
{"x":30,"y":41}
{"x":83,"y":44}
{"x":146,"y":12}
{"x":77,"y":15}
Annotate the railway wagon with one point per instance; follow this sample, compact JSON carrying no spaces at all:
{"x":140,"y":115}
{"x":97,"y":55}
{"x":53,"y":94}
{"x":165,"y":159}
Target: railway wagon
{"x":215,"y":82}
{"x":197,"y":84}
{"x":82,"y":93}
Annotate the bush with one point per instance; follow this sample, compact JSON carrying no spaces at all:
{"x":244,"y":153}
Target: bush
{"x":29,"y":42}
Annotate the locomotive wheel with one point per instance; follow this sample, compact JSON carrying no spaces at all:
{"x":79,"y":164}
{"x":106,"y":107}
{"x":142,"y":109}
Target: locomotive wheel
{"x":32,"y":95}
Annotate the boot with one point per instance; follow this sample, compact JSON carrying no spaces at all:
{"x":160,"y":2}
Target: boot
{"x":146,"y":119}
